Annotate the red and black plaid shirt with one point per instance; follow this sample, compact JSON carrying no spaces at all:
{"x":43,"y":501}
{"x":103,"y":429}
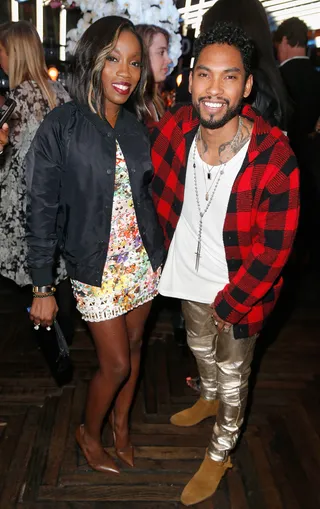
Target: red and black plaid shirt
{"x":262,"y":214}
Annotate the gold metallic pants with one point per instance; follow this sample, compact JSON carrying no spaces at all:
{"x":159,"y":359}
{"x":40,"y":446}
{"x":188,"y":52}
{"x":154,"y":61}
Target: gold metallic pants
{"x":224,"y":368}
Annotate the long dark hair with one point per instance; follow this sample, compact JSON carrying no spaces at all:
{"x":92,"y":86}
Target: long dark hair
{"x":269,"y":94}
{"x":89,"y":59}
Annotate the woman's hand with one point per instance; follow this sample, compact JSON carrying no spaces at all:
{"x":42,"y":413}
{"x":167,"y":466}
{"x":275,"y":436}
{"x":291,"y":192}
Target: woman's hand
{"x":4,"y":136}
{"x":43,"y":311}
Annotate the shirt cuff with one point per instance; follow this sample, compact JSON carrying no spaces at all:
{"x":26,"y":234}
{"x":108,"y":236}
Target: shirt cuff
{"x":42,"y":277}
{"x":228,"y":309}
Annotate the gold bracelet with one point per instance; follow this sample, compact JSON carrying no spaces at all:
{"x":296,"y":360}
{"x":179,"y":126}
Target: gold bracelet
{"x":42,"y":295}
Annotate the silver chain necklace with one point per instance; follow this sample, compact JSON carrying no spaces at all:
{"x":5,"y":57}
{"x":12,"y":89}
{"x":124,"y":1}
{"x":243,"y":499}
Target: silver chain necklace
{"x":235,"y":140}
{"x":215,"y":184}
{"x":209,"y":201}
{"x":207,"y":193}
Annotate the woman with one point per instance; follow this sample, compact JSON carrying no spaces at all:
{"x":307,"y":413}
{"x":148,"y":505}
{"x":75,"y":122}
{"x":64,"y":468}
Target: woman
{"x":89,"y":173}
{"x":156,"y":43}
{"x":22,"y":58}
{"x":268,"y":95}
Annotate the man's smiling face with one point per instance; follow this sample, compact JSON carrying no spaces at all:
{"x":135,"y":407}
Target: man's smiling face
{"x":218,"y":84}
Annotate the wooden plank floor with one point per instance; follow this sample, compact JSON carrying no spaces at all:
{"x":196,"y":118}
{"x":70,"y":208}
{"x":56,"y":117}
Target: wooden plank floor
{"x":277,"y":463}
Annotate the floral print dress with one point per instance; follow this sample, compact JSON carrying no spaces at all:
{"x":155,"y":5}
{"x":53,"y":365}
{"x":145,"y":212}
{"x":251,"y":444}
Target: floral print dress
{"x":30,"y":110}
{"x":128,"y":279}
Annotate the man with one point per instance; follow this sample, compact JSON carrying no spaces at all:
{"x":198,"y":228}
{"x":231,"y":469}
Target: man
{"x":302,"y":82}
{"x":301,"y":79}
{"x":226,"y":191}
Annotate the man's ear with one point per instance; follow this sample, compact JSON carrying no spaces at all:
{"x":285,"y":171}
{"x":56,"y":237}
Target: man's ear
{"x":285,"y":40}
{"x":248,"y":86}
{"x":190,"y":81}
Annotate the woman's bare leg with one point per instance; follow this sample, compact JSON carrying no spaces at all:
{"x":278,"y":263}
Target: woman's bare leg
{"x":112,"y":346}
{"x":135,"y":322}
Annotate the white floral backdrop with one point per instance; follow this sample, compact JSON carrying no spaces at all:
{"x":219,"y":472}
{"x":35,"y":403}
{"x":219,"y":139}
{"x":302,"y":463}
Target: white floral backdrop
{"x":163,"y":13}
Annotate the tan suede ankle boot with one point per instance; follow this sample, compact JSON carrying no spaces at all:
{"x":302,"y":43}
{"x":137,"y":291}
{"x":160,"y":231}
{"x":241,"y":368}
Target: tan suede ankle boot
{"x":202,"y":409}
{"x":205,"y":482}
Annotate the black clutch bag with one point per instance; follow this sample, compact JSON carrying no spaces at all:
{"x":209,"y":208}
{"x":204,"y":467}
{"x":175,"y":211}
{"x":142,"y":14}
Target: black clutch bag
{"x":55,"y":350}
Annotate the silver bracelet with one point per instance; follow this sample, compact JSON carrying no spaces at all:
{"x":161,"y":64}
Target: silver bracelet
{"x":43,"y":289}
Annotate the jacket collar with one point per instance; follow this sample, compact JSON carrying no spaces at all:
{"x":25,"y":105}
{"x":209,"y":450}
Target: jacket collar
{"x":124,"y":120}
{"x":264,"y":136}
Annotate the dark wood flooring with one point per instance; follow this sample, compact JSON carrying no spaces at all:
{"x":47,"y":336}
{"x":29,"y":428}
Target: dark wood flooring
{"x":277,"y":462}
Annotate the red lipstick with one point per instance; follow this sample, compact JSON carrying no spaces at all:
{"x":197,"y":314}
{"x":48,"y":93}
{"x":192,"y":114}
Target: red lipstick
{"x":122,"y":87}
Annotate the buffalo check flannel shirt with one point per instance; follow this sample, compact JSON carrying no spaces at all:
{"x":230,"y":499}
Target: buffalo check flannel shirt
{"x":261,"y":219}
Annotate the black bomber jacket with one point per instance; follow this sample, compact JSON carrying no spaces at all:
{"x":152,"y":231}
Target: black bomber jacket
{"x":70,"y":172}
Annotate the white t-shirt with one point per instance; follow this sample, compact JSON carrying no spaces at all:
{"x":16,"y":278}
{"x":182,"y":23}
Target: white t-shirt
{"x":179,"y":278}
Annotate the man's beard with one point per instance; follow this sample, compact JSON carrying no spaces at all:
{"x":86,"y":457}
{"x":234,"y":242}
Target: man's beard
{"x":217,"y":124}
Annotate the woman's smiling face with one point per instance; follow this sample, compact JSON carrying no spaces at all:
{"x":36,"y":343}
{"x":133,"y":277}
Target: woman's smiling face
{"x":122,"y":69}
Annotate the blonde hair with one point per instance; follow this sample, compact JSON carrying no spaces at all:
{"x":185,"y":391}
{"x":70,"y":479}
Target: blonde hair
{"x":26,"y":57}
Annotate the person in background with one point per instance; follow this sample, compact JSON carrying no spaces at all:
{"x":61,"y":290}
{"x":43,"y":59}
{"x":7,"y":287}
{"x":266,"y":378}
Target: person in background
{"x":302,"y":82}
{"x":89,"y":175}
{"x":22,"y":59}
{"x":268,"y":93}
{"x":229,"y":224}
{"x":156,"y":42}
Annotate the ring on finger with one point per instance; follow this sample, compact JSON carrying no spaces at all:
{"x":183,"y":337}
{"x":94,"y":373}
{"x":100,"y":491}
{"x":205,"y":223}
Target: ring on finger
{"x":36,"y":326}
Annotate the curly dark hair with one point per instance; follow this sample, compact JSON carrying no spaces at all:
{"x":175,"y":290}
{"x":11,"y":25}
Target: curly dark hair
{"x":227,"y":33}
{"x":268,"y":95}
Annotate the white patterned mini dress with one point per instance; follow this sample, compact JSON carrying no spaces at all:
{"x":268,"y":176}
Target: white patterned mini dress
{"x":128,"y":278}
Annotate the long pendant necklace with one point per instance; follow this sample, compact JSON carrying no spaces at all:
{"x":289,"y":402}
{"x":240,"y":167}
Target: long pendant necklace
{"x":214,"y":185}
{"x":209,"y":201}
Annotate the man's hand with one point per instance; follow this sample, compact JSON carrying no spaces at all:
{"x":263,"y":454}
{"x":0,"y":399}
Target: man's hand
{"x":221,"y":325}
{"x":4,"y":136}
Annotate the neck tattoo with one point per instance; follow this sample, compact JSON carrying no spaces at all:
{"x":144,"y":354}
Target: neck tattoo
{"x":234,"y":143}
